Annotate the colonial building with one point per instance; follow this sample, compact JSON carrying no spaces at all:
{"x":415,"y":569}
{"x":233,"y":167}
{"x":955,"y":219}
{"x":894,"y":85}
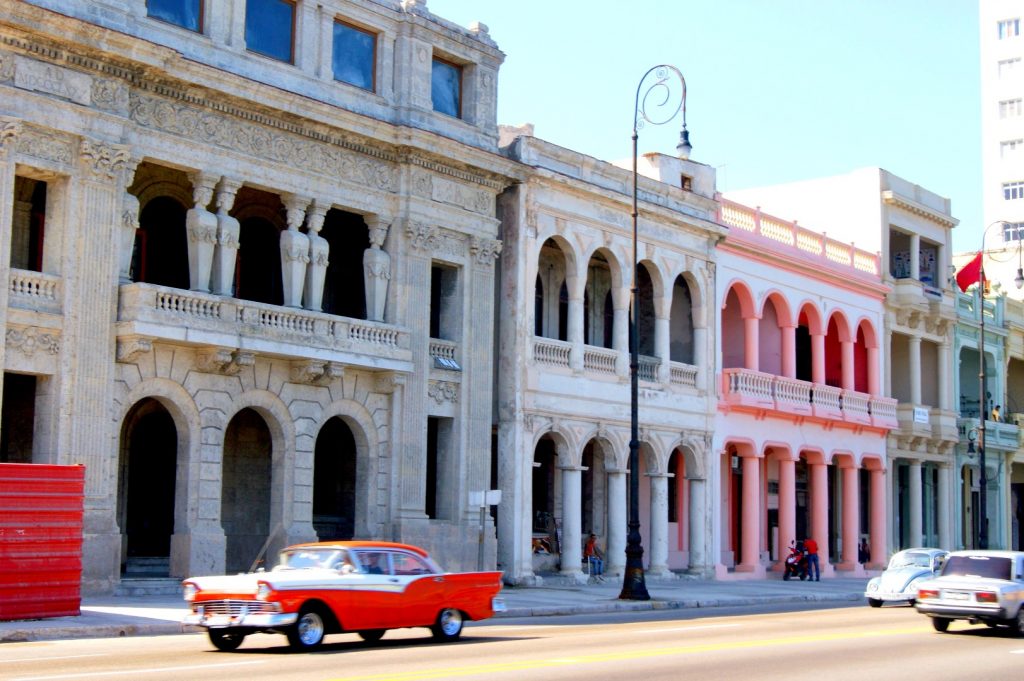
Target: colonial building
{"x":910,"y":228}
{"x":563,"y":391}
{"x":249,"y":249}
{"x":800,"y":433}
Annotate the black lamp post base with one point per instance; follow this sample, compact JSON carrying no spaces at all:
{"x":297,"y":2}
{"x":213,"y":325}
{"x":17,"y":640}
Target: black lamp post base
{"x":633,"y":586}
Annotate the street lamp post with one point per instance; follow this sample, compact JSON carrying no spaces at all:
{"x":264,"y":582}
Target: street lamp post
{"x":983,"y":386}
{"x":657,"y":106}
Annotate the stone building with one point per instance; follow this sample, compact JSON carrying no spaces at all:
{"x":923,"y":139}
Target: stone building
{"x":245,"y":244}
{"x":563,"y":391}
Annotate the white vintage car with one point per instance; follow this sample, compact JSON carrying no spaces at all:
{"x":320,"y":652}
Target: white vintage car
{"x":898,"y":583}
{"x":977,"y":586}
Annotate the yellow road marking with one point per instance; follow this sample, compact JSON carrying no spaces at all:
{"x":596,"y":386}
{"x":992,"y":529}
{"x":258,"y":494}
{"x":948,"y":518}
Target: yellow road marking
{"x":524,"y":665}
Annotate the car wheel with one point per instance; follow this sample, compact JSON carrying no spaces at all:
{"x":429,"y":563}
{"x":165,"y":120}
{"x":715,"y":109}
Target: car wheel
{"x":371,"y":635}
{"x":803,"y":576}
{"x":940,"y":623}
{"x":1018,"y":623}
{"x":225,"y":640}
{"x":785,"y":576}
{"x":308,"y":631}
{"x":448,"y":626}
{"x":874,"y":603}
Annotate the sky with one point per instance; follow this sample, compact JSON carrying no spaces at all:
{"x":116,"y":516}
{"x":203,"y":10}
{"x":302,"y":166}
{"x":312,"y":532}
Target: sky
{"x":777,"y":90}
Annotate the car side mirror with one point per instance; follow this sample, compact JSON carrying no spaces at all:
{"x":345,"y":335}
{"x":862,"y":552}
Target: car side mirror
{"x":346,"y":569}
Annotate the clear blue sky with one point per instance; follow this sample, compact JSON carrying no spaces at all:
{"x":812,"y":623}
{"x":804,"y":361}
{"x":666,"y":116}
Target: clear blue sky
{"x":778,"y":90}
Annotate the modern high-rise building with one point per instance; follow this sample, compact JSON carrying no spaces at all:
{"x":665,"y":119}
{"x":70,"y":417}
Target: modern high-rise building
{"x":1002,"y":136}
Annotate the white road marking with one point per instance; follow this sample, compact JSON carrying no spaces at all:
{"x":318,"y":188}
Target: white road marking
{"x":693,"y":628}
{"x":59,"y":657}
{"x":128,"y":672}
{"x":1017,"y":652}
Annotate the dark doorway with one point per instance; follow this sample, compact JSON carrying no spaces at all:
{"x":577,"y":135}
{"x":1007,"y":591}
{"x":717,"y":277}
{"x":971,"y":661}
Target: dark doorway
{"x":245,"y":495}
{"x":161,"y":245}
{"x":344,"y":285}
{"x":18,"y":419}
{"x":149,"y":445}
{"x":334,"y":482}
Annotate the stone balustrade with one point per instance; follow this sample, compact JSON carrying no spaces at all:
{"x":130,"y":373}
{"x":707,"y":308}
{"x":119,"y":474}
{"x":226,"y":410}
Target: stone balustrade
{"x":35,"y":291}
{"x":207,"y":319}
{"x":743,"y":387}
{"x":683,"y":374}
{"x":551,"y":352}
{"x":599,"y":360}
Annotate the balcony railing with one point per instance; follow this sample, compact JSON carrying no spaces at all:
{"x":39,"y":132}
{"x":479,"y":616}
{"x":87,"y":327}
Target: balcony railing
{"x":743,"y":387}
{"x":207,"y":319}
{"x":998,"y":435}
{"x":648,"y":368}
{"x":683,"y":374}
{"x":551,"y":352}
{"x":599,"y":360}
{"x":35,"y":291}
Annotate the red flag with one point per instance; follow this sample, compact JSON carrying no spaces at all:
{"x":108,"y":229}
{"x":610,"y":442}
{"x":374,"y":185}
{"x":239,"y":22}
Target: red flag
{"x":969,"y":273}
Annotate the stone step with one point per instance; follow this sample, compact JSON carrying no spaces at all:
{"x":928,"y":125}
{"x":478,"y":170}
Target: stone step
{"x":148,"y":586}
{"x":148,"y":566}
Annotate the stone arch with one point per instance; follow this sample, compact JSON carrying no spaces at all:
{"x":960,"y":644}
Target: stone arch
{"x":782,"y":308}
{"x":744,"y":296}
{"x":567,"y":449}
{"x":810,"y":316}
{"x":367,"y":444}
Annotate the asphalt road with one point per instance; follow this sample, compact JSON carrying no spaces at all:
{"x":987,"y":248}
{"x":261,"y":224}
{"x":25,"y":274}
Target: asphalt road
{"x":840,"y":644}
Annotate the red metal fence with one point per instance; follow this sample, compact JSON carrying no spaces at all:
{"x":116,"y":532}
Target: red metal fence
{"x":40,"y":540}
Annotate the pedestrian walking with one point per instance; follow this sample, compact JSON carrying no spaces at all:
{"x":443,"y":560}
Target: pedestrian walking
{"x":813,"y":568}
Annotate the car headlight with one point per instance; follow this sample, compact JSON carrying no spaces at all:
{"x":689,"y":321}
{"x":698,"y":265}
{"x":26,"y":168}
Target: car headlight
{"x":189,"y":591}
{"x":263,"y":591}
{"x":872,"y":585}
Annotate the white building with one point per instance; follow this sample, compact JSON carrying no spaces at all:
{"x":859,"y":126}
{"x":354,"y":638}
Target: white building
{"x":1002,"y":139}
{"x":563,"y":390}
{"x":243,"y":245}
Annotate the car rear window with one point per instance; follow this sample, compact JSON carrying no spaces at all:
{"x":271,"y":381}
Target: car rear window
{"x":992,"y":567}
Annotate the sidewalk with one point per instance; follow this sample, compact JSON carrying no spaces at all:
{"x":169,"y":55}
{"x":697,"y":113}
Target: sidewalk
{"x":156,"y":615}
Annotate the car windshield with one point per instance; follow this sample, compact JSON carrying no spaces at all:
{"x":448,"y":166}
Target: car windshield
{"x":992,"y":567}
{"x":910,"y":558}
{"x":297,"y":559}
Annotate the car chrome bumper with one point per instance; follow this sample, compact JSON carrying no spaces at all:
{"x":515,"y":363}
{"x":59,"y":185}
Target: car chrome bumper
{"x":256,"y":620}
{"x":960,"y":611}
{"x":892,"y":596}
{"x":498,"y":605}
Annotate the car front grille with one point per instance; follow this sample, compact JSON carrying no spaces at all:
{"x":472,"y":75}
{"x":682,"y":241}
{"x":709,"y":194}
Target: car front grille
{"x":234,"y":607}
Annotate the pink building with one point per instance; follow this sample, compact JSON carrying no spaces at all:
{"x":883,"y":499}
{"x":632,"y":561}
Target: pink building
{"x":802,"y":416}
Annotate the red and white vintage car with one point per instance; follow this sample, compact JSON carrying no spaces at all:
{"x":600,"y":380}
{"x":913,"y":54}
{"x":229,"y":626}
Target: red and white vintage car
{"x":366,"y":587}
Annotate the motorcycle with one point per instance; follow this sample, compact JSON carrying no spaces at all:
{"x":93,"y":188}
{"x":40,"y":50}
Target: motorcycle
{"x":796,"y":563}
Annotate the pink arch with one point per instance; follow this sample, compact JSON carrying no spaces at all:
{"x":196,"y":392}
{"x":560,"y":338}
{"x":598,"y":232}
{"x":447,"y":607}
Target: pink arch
{"x":809,"y":312}
{"x":782,"y":308}
{"x":745,"y":297}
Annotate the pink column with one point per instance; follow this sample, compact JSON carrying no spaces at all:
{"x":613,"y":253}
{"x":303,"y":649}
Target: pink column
{"x":817,"y":358}
{"x":874,"y":384}
{"x":879,"y":542}
{"x":789,"y":351}
{"x":851,"y":517}
{"x":787,"y":505}
{"x":750,"y":549}
{"x":819,"y":511}
{"x":751,"y":350}
{"x":847,"y":351}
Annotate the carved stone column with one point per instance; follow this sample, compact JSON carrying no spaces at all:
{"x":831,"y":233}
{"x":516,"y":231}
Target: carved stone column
{"x":228,"y":231}
{"x":201,"y":226}
{"x":376,"y":269}
{"x":127,"y":228}
{"x":294,"y":251}
{"x":319,"y":250}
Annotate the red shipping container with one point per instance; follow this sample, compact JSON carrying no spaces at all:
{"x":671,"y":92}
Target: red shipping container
{"x":40,"y":540}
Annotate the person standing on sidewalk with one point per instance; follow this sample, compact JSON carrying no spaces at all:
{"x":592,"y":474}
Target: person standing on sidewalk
{"x":813,"y":568}
{"x":594,"y":557}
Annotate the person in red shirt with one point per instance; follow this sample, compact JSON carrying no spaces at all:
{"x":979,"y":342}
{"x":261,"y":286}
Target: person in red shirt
{"x":593,"y":555}
{"x":813,"y":568}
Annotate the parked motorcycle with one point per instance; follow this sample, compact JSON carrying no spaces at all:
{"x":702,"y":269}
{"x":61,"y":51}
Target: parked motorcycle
{"x":796,"y":563}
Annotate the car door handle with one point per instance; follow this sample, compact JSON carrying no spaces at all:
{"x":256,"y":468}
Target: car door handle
{"x":394,"y":579}
{"x":438,"y":579}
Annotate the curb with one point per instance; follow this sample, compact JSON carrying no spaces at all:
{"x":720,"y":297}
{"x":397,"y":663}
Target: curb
{"x":89,"y":631}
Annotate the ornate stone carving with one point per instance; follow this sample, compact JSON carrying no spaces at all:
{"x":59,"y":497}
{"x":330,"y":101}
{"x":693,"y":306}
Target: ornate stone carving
{"x":129,"y":226}
{"x":201,"y":227}
{"x":455,"y":194}
{"x":228,"y":231}
{"x":104,"y":161}
{"x":30,"y":340}
{"x":315,"y":372}
{"x":6,"y":67}
{"x":484,"y":250}
{"x":46,"y":147}
{"x":110,"y":95}
{"x":9,"y":130}
{"x":422,"y":237}
{"x":443,"y":391}
{"x":291,"y":150}
{"x":223,"y":361}
{"x":130,"y":348}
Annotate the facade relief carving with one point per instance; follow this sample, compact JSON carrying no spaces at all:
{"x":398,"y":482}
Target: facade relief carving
{"x":313,"y":372}
{"x":30,"y":340}
{"x":104,"y":161}
{"x":485,"y":251}
{"x":51,"y":79}
{"x":57,"y":149}
{"x":6,"y":67}
{"x":455,"y":194}
{"x":110,"y":95}
{"x":387,"y":383}
{"x":223,"y":131}
{"x":130,"y":348}
{"x":223,"y":361}
{"x":443,"y":391}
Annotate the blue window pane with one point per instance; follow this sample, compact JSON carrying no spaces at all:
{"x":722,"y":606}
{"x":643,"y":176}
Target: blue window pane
{"x":446,"y":88}
{"x":268,"y":28}
{"x":184,"y":13}
{"x":354,"y":53}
